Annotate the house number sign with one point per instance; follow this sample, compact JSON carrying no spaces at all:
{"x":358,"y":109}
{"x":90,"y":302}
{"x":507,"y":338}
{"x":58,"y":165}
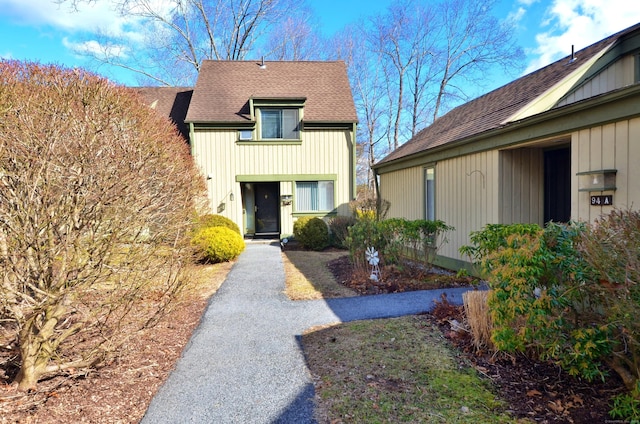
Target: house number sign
{"x":602,"y":200}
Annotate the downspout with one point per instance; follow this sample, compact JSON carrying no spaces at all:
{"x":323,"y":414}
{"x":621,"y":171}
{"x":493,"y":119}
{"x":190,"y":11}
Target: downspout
{"x":378,"y":196}
{"x":191,"y":137}
{"x":354,"y":178}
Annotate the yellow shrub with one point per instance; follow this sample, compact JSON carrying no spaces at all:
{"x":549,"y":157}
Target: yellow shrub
{"x":218,"y":244}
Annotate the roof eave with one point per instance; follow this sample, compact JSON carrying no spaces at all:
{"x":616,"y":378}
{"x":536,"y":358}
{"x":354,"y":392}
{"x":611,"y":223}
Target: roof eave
{"x":631,"y":107}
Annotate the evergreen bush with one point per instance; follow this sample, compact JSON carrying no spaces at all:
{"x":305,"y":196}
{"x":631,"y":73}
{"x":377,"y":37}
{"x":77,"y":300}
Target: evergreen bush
{"x":311,"y":232}
{"x":218,"y":244}
{"x":212,"y":220}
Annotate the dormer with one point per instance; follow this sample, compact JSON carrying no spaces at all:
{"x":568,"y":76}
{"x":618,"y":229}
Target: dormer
{"x":276,"y":119}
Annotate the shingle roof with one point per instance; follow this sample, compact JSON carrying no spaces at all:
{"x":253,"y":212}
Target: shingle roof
{"x":172,"y":102}
{"x":490,"y":111}
{"x":224,"y":88}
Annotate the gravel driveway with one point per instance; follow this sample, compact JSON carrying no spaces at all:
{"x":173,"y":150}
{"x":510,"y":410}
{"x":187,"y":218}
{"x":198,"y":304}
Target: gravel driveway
{"x":244,"y":364}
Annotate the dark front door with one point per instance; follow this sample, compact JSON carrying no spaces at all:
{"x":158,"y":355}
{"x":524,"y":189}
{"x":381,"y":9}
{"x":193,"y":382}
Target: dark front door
{"x":267,"y":208}
{"x":557,"y":185}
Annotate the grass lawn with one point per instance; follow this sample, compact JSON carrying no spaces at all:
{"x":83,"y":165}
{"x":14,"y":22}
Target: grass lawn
{"x":384,"y":371}
{"x":395,"y":370}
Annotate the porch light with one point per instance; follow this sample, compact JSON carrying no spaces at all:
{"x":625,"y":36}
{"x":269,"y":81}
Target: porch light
{"x":600,"y":180}
{"x":286,"y":199}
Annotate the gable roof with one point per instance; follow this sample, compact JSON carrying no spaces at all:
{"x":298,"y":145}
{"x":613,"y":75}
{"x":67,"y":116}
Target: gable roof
{"x":504,"y":105}
{"x":172,"y":102}
{"x":224,"y":88}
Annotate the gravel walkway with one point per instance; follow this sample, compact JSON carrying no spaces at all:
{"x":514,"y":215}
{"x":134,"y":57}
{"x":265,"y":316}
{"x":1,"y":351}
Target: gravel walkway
{"x":244,"y":363}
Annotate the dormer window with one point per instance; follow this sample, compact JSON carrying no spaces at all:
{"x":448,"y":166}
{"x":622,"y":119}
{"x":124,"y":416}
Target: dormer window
{"x":277,"y":119}
{"x":279,"y":124}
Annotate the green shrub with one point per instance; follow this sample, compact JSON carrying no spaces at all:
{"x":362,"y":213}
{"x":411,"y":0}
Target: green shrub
{"x":363,"y":234}
{"x":394,"y":239}
{"x":218,"y":244}
{"x":311,"y":233}
{"x":569,"y":293}
{"x":211,"y":220}
{"x":339,"y":227}
{"x":416,"y":239}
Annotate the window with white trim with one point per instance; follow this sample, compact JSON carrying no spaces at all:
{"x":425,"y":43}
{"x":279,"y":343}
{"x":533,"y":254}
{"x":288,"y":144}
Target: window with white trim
{"x":314,"y":196}
{"x":430,"y":193}
{"x":279,"y":124}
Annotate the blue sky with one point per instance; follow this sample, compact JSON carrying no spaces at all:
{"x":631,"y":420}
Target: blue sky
{"x":43,"y":31}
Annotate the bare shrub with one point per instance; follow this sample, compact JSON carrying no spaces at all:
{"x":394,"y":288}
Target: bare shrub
{"x":96,"y":197}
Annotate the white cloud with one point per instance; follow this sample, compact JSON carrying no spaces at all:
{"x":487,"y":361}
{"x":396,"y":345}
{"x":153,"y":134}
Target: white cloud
{"x":88,"y":17}
{"x":517,"y":15}
{"x":96,"y":48}
{"x":580,"y":23}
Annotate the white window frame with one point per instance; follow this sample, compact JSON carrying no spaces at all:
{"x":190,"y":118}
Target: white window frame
{"x":319,"y":198}
{"x":430,"y":193}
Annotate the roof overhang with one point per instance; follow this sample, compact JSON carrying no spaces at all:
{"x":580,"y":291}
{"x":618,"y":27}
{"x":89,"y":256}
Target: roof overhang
{"x":605,"y":108}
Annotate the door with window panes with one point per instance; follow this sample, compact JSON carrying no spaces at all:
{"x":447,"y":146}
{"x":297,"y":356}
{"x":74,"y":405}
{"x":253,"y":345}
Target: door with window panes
{"x":261,"y":208}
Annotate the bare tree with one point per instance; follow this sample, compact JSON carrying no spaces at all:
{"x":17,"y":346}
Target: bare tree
{"x":394,"y":36}
{"x":419,"y":60}
{"x":370,"y":95}
{"x":296,"y":38}
{"x":473,"y":41}
{"x":97,"y":193}
{"x":177,"y":35}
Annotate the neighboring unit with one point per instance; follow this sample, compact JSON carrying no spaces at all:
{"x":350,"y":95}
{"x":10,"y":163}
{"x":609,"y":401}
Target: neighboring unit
{"x":275,"y":140}
{"x":559,"y":144}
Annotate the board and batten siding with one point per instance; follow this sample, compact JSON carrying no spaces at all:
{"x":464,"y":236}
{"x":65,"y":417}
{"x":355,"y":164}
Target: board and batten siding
{"x":612,"y":146}
{"x":522,"y":186}
{"x":404,"y":189}
{"x":465,"y":190}
{"x":619,"y":74}
{"x":466,"y":197}
{"x":322,"y":152}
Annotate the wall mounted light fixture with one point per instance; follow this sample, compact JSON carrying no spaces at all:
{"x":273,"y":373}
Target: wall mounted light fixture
{"x":599,"y":180}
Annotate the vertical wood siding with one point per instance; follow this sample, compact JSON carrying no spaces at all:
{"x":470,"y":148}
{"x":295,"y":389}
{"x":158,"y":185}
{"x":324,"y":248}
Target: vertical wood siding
{"x":466,"y":197}
{"x":522,"y":186}
{"x":404,"y":189}
{"x":466,"y":191}
{"x":611,"y":146}
{"x":321,"y":152}
{"x":619,"y":74}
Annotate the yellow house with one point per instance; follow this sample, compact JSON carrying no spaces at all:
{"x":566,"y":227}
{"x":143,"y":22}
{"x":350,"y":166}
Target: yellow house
{"x":559,"y":144}
{"x":275,"y":140}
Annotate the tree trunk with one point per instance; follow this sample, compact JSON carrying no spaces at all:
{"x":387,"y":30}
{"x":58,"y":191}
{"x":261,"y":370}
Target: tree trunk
{"x":629,"y":380}
{"x":36,"y":348}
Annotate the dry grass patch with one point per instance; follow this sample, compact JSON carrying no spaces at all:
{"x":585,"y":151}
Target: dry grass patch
{"x":308,"y":277}
{"x":207,"y":279}
{"x":478,"y":316}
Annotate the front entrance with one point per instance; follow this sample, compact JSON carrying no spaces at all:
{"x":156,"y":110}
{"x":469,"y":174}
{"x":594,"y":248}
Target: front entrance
{"x":557,"y":185}
{"x":261,"y":206}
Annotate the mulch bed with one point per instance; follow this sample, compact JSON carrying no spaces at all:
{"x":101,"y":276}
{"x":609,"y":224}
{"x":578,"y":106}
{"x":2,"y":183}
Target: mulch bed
{"x":537,"y":391}
{"x":394,"y":279}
